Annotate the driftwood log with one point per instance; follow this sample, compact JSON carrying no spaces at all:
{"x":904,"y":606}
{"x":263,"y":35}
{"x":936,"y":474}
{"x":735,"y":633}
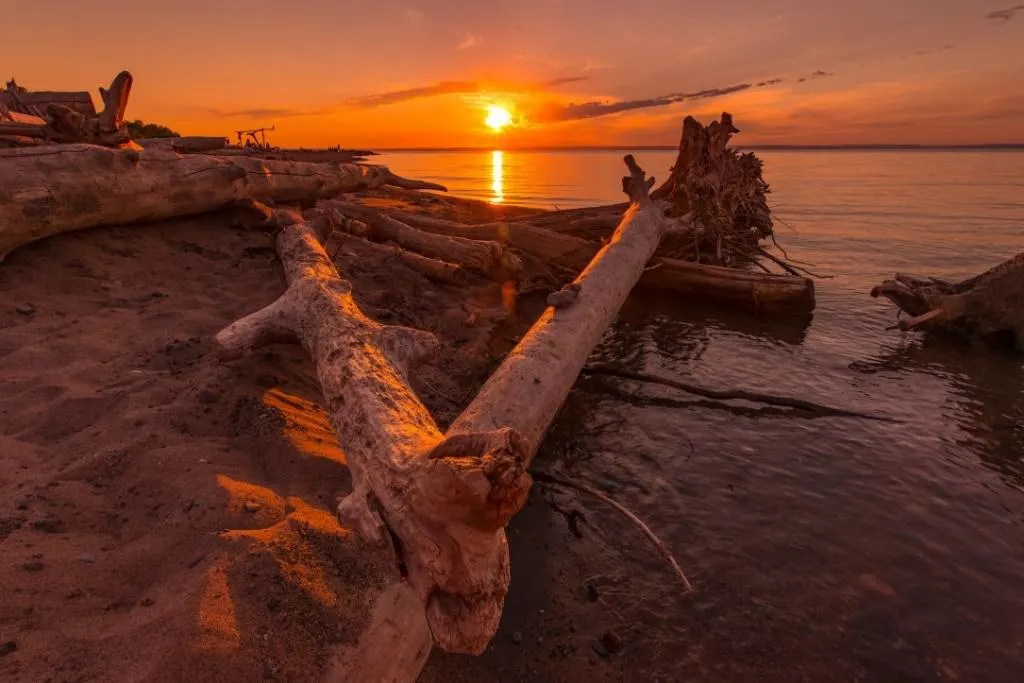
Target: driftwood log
{"x":67,"y":121}
{"x":49,"y":190}
{"x":989,"y":306}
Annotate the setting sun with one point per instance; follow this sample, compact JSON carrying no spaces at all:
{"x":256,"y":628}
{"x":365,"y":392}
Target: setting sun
{"x":497,"y":118}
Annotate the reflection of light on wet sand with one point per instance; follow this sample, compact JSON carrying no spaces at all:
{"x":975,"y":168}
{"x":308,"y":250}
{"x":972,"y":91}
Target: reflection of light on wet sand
{"x":498,"y":176}
{"x":307,"y":426}
{"x":218,"y":627}
{"x":289,"y":541}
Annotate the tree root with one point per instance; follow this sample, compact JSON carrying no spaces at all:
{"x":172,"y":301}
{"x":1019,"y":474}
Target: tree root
{"x":735,"y":394}
{"x":544,"y":477}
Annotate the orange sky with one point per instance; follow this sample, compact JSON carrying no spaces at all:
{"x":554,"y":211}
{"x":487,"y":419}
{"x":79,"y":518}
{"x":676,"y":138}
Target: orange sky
{"x":362,"y":73}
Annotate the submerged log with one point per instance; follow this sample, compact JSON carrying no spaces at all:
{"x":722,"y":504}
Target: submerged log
{"x":49,"y":190}
{"x":989,"y":306}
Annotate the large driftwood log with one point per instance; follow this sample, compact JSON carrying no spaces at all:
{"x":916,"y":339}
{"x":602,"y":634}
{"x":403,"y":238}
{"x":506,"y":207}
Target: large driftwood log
{"x":445,"y":498}
{"x":530,"y":386}
{"x":989,"y":306}
{"x":48,"y":190}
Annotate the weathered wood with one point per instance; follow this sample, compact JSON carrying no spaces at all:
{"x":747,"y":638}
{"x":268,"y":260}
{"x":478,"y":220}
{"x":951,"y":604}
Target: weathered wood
{"x":79,"y":101}
{"x":985,"y":306}
{"x":447,"y":499}
{"x":431,"y":268}
{"x":30,"y":130}
{"x":529,"y":387}
{"x":488,"y":258}
{"x":48,"y":190}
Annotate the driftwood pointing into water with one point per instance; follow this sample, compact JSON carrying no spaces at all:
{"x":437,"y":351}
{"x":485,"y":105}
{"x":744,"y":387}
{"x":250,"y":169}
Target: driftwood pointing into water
{"x":989,"y":306}
{"x":49,"y":190}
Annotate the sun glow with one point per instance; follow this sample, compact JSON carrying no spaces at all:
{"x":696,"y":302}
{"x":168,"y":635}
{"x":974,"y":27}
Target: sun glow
{"x":497,"y":118}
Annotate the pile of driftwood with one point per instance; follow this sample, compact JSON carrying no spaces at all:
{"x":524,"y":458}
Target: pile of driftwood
{"x":989,"y":307}
{"x":30,"y":119}
{"x":439,"y":500}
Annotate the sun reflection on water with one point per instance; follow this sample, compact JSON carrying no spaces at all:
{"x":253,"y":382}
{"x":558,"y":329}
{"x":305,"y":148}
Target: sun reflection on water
{"x":497,"y":176}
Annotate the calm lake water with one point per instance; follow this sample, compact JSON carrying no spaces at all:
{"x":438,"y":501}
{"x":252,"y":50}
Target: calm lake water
{"x":827,"y":548}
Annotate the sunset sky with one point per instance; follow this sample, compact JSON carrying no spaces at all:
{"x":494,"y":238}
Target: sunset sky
{"x":365,"y":73}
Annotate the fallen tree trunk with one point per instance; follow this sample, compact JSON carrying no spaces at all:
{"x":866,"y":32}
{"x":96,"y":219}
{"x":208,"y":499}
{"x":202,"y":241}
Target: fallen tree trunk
{"x":989,"y":306}
{"x":48,"y":190}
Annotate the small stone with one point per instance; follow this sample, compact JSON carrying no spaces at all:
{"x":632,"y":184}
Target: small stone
{"x":88,"y":558}
{"x":206,"y":396}
{"x":599,"y":648}
{"x":146,"y":602}
{"x":33,"y":566}
{"x":50,"y":526}
{"x":7,"y":648}
{"x":26,"y":309}
{"x":253,"y":507}
{"x":195,"y":561}
{"x":203,"y":461}
{"x":517,"y":637}
{"x":612,"y":642}
{"x":540,"y":640}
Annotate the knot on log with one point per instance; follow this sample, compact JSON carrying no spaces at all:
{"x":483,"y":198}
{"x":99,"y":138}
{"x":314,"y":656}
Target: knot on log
{"x":479,"y":478}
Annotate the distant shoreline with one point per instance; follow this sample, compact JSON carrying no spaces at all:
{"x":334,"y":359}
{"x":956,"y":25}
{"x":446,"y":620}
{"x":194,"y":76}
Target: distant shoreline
{"x":665,"y":148}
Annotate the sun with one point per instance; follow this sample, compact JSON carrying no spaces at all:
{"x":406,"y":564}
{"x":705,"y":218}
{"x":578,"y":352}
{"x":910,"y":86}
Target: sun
{"x":497,"y":118}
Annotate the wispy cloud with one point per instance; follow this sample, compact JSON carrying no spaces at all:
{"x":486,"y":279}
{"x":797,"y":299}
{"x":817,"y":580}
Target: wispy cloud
{"x":1004,"y":15}
{"x":470,"y":40}
{"x":815,"y":75}
{"x":396,"y":96}
{"x":554,"y":82}
{"x":587,"y":110}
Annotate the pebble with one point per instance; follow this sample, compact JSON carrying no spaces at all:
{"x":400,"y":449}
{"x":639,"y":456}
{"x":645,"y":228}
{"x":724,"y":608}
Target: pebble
{"x":599,"y":648}
{"x":88,"y":558}
{"x":33,"y":566}
{"x":612,"y":642}
{"x":195,"y":561}
{"x":517,"y":637}
{"x":50,"y":526}
{"x":146,"y":602}
{"x":253,"y":507}
{"x":203,"y":461}
{"x":26,"y":309}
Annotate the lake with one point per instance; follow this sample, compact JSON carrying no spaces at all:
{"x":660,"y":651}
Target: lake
{"x":825,"y":548}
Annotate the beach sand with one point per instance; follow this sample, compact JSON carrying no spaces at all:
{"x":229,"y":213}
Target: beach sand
{"x":167,"y":517}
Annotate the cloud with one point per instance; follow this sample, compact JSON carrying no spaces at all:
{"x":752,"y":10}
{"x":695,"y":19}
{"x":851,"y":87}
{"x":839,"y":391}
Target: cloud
{"x":554,"y":82}
{"x":396,"y":96}
{"x":1004,"y":15}
{"x":471,"y":40}
{"x":588,"y":110}
{"x":770,"y":81}
{"x":414,"y":16}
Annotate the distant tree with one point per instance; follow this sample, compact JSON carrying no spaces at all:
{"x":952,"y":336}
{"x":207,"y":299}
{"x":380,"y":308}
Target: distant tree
{"x":139,"y":129}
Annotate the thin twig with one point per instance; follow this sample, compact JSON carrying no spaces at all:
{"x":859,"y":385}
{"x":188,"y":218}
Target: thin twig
{"x":733,"y":394}
{"x":544,"y":477}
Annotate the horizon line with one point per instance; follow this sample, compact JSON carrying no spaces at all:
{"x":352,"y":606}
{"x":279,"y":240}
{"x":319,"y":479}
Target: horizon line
{"x":660,"y":148}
